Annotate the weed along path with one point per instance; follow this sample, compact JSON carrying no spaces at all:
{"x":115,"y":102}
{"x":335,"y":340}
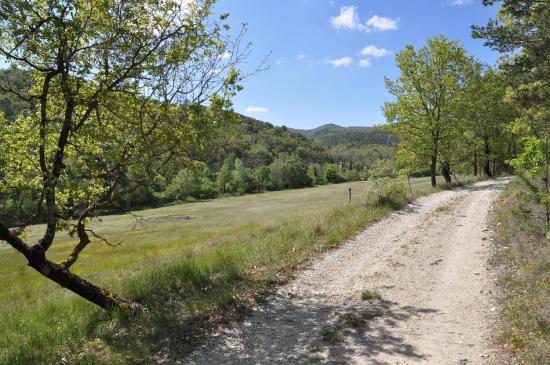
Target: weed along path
{"x":412,"y":288}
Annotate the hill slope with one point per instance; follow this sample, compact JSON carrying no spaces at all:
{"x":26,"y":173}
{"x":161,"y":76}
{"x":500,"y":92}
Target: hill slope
{"x":330,"y":135}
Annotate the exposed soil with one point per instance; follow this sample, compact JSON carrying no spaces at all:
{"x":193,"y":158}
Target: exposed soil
{"x":429,"y":264}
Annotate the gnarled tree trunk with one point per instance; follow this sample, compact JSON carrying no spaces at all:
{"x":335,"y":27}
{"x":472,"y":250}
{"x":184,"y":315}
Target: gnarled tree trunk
{"x":37,"y":260}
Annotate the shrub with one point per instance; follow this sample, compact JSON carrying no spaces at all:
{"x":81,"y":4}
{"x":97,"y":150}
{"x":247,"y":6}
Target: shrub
{"x":385,"y":191}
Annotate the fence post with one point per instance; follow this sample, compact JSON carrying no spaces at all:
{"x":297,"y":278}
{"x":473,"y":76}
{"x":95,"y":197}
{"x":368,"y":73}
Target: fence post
{"x":349,"y":194}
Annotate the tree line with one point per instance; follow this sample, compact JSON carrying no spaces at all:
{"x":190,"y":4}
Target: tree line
{"x":450,"y":111}
{"x":454,"y":113}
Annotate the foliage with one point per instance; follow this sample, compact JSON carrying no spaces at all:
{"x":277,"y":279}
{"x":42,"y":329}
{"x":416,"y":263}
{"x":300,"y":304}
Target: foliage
{"x":331,"y":173}
{"x":486,"y":140}
{"x":522,"y":33}
{"x":190,"y":183}
{"x":332,"y":135}
{"x":12,"y":105}
{"x":117,"y":89}
{"x":427,"y":94}
{"x":385,"y":191}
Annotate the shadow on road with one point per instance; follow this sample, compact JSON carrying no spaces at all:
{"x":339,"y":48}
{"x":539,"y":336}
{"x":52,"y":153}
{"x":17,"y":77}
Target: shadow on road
{"x":309,"y":331}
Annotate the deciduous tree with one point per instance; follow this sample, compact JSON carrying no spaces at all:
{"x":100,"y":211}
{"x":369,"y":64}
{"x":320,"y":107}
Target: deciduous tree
{"x":119,"y":86}
{"x":427,"y":97}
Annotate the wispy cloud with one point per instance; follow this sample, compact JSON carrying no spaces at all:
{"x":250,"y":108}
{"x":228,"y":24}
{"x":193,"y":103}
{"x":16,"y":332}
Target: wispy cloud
{"x":460,"y":2}
{"x":257,"y":109}
{"x":349,"y":19}
{"x":301,"y":57}
{"x":373,"y":51}
{"x":382,"y":23}
{"x":341,"y":62}
{"x":364,"y":63}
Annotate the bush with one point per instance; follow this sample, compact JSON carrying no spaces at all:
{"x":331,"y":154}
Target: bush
{"x":331,"y":174}
{"x":385,"y":191}
{"x":420,"y":172}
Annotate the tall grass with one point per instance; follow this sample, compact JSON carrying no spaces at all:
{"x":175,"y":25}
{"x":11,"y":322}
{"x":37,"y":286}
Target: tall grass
{"x":523,"y":259}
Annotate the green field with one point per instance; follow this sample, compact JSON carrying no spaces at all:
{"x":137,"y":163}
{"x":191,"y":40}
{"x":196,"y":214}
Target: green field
{"x":182,"y":262}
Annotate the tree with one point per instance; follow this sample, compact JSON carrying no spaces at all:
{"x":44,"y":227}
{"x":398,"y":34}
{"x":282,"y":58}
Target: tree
{"x":522,"y":33}
{"x":263,"y":178}
{"x":296,"y":172}
{"x":118,"y":87}
{"x":224,"y":179}
{"x":244,"y":180}
{"x":486,"y":117}
{"x":331,"y":173}
{"x":427,"y":94}
{"x":279,"y":178}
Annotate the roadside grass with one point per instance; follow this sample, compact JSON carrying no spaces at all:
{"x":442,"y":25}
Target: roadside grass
{"x":523,"y":258}
{"x":190,"y":275}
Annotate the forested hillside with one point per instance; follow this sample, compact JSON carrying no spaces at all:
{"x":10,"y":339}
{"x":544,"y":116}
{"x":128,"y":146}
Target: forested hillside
{"x":252,"y":156}
{"x":330,"y":135}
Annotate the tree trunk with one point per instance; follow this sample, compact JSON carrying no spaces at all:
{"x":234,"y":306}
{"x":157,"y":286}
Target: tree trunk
{"x":446,"y":172}
{"x":37,"y":260}
{"x":80,"y":286}
{"x":475,"y":163}
{"x":486,"y":160}
{"x":432,"y":171}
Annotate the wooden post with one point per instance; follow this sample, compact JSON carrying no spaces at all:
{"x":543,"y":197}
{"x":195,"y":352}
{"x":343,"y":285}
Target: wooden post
{"x":349,"y":194}
{"x":409,"y":181}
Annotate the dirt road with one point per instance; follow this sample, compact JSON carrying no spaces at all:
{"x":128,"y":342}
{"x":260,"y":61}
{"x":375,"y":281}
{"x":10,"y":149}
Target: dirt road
{"x":428,"y":263}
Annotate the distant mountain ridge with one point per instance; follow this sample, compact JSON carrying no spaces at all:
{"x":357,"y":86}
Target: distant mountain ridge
{"x":330,"y":135}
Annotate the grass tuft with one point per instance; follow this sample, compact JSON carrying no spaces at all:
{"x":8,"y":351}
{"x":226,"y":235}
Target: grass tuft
{"x":370,"y":295}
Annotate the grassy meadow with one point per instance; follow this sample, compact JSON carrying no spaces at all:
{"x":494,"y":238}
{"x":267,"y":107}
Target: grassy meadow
{"x":191,"y":266}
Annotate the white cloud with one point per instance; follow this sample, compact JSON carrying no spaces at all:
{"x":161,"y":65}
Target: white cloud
{"x":341,"y":62}
{"x":301,"y":57}
{"x":373,"y":51}
{"x":280,"y":61}
{"x":460,"y":2}
{"x":349,"y":19}
{"x":382,"y":23}
{"x":364,"y":63}
{"x":257,"y":109}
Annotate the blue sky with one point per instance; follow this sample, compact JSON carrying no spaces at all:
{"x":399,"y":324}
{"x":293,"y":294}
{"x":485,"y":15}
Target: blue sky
{"x":329,"y":58}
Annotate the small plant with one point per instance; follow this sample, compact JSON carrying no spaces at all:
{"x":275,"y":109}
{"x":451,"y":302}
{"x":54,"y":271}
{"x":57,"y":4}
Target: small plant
{"x":443,"y":208}
{"x":331,"y":335}
{"x":370,"y":294}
